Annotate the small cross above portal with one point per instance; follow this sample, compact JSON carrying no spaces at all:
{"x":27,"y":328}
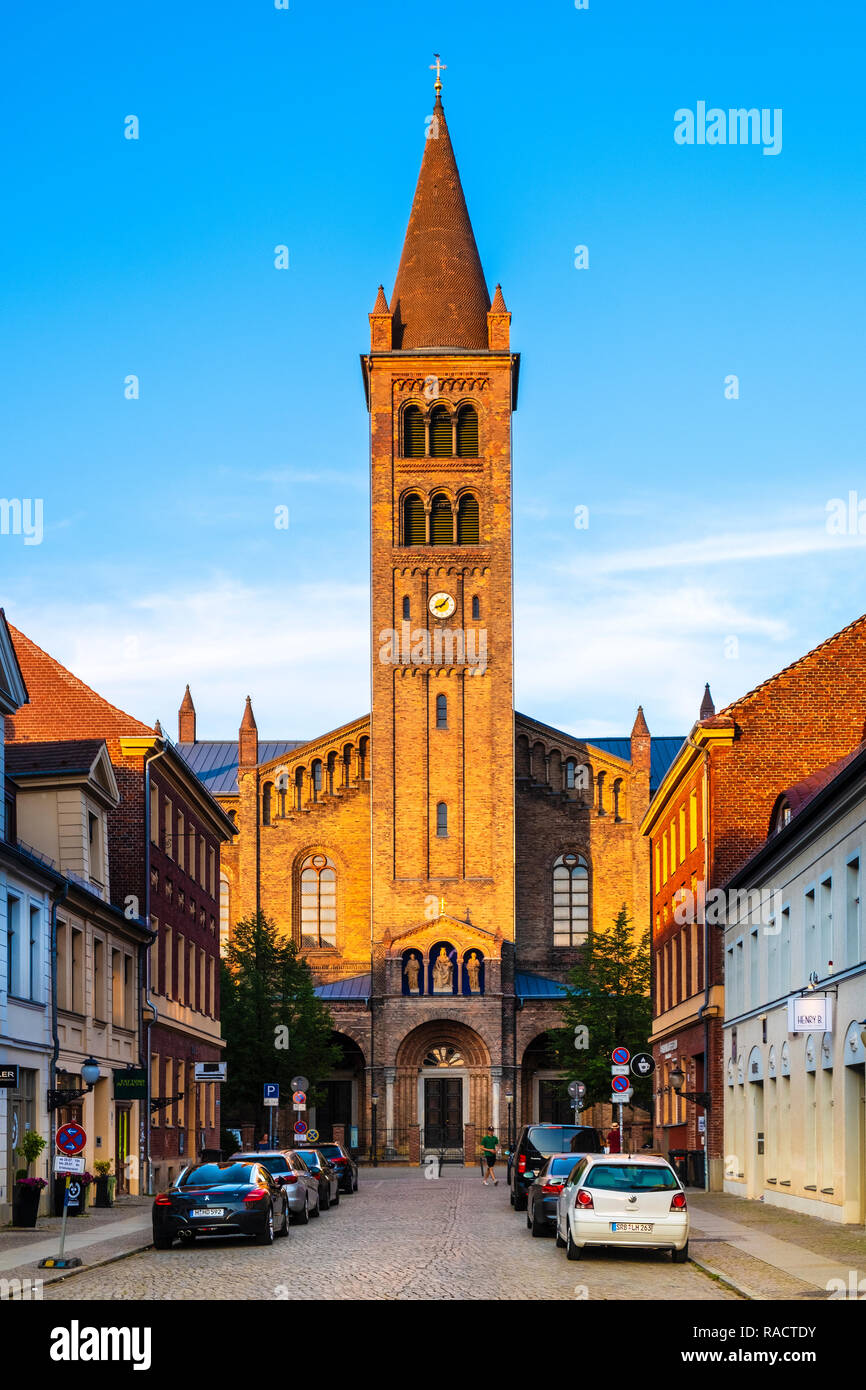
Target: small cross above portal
{"x":440,"y":68}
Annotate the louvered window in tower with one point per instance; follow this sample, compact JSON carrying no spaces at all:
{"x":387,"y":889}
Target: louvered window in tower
{"x":467,"y":433}
{"x":414,"y":529}
{"x":441,"y":446}
{"x":441,"y":521}
{"x":413,"y":433}
{"x":441,"y":711}
{"x":467,"y":521}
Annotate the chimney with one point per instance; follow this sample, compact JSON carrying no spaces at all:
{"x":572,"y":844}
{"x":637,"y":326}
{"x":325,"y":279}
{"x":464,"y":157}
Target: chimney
{"x":186,"y":719}
{"x":708,"y":709}
{"x":248,"y":738}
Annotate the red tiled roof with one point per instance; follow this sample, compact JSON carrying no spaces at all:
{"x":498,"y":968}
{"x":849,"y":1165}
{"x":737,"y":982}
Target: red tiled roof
{"x":57,"y":755}
{"x":61,"y":705}
{"x":440,"y":295}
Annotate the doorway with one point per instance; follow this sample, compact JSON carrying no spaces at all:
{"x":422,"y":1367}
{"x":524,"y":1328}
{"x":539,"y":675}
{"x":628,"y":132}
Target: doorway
{"x":121,"y":1146}
{"x":443,"y":1112}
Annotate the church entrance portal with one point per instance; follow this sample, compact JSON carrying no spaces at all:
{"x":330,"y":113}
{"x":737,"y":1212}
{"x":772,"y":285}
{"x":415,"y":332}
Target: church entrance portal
{"x":443,"y":1112}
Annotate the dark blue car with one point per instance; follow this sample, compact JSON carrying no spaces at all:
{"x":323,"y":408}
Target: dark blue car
{"x":543,"y":1194}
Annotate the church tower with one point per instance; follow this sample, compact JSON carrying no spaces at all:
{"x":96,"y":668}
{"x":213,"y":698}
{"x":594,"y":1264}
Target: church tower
{"x":441,"y":384}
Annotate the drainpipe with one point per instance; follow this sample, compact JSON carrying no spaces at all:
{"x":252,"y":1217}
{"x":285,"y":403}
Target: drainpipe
{"x":702,"y":1015}
{"x":144,"y":970}
{"x":57,"y":897}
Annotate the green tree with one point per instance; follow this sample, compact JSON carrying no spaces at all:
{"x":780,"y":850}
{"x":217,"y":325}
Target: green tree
{"x":274,"y":1024}
{"x":608,"y":996}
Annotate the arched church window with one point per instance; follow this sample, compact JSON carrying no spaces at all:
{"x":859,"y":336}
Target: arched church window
{"x":442,"y":820}
{"x":467,"y":520}
{"x":316,"y":777}
{"x":441,"y":521}
{"x":570,"y":900}
{"x":267,"y":803}
{"x":441,"y":433}
{"x":441,"y":711}
{"x":318,"y":901}
{"x":299,"y":787}
{"x":407,"y":607}
{"x":413,"y":433}
{"x":363,"y":757}
{"x":331,"y":766}
{"x":570,"y":767}
{"x":599,"y":783}
{"x":476,"y":606}
{"x":444,"y":1057}
{"x":414,"y":521}
{"x":617,"y":799}
{"x":467,"y":432}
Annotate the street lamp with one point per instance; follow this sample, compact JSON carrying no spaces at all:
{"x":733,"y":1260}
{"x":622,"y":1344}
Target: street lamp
{"x":374,"y":1102}
{"x":57,"y":1099}
{"x":677,"y":1079}
{"x":509,"y":1101}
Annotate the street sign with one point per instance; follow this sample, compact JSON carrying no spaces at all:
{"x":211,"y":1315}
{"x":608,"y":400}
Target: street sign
{"x":577,"y":1088}
{"x":620,"y":1056}
{"x":70,"y":1139}
{"x":619,"y":1071}
{"x":130,"y":1083}
{"x":300,"y":1127}
{"x":643,"y":1064}
{"x":299,"y":1107}
{"x":272,"y":1092}
{"x":299,"y":1097}
{"x":312,"y":1135}
{"x":210,"y":1071}
{"x":622,"y":1097}
{"x":619,"y":1084}
{"x":576,"y":1104}
{"x":9,"y":1075}
{"x":67,"y":1163}
{"x":272,"y":1100}
{"x":300,"y":1083}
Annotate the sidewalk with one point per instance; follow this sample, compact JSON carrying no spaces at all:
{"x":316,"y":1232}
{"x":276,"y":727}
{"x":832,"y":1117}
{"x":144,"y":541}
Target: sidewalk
{"x":104,"y":1234}
{"x":766,"y":1252}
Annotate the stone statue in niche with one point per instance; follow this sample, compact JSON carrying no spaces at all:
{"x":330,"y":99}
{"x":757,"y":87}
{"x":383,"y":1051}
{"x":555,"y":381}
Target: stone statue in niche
{"x":412,"y":971}
{"x":473,"y":971}
{"x":443,"y":973}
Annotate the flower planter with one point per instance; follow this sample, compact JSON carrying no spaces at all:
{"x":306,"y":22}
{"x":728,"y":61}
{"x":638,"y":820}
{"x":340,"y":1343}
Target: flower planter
{"x":104,"y":1191}
{"x":25,"y":1205}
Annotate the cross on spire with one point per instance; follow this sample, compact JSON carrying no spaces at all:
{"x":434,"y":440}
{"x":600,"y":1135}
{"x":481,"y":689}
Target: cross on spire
{"x":440,"y":68}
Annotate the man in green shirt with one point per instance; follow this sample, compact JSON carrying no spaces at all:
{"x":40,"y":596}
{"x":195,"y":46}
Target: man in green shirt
{"x":489,"y":1149}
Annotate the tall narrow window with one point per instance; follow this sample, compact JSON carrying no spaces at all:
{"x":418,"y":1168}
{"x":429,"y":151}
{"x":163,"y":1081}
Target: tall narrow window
{"x":167,"y":840}
{"x":826,"y":942}
{"x":407,"y":607}
{"x":318,"y":901}
{"x":168,"y":968}
{"x":316,"y":777}
{"x":413,"y":433}
{"x":570,"y":900}
{"x":13,"y":945}
{"x":62,"y":966}
{"x":467,"y":521}
{"x":476,"y":606}
{"x":467,"y":432}
{"x":852,"y":915}
{"x":570,"y":766}
{"x":154,"y":814}
{"x":181,"y":842}
{"x":693,"y":820}
{"x":77,"y":971}
{"x":33,"y":974}
{"x":617,"y":799}
{"x":99,"y":976}
{"x":267,"y":803}
{"x":599,"y":782}
{"x":442,"y":820}
{"x":441,"y":433}
{"x":441,"y":711}
{"x":414,"y":521}
{"x":441,"y":521}
{"x":299,"y":787}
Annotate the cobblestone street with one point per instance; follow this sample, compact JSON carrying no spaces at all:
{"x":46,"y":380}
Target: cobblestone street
{"x":402,"y":1236}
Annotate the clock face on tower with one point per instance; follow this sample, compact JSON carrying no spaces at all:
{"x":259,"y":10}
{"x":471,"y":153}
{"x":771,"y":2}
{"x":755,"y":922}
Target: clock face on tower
{"x":441,"y":605}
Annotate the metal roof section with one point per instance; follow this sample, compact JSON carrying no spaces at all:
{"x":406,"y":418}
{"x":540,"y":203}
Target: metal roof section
{"x":215,"y":762}
{"x":353,"y":987}
{"x":662,"y":753}
{"x":528,"y":986}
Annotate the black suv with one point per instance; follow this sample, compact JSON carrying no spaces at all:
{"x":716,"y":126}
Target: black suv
{"x":535,"y":1143}
{"x":341,"y":1159}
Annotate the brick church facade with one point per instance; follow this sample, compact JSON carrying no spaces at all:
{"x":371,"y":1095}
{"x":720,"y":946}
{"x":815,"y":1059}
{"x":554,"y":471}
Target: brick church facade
{"x":440,"y":861}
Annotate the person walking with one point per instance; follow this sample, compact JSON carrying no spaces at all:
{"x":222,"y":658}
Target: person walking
{"x":614,"y":1142}
{"x":489,"y":1150}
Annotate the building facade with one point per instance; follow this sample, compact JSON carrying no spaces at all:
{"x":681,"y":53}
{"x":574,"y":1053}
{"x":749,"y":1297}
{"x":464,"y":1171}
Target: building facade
{"x":709,"y":813}
{"x":442,"y":860}
{"x":795,"y":1098}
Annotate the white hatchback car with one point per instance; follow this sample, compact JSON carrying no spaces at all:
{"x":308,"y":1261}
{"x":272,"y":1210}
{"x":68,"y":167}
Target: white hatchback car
{"x":623,"y":1199}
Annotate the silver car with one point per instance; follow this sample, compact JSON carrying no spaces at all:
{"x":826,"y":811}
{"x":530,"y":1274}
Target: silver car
{"x":290,"y":1171}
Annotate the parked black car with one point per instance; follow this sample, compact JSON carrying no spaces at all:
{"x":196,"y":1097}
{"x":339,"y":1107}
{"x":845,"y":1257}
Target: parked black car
{"x":537,"y":1142}
{"x":221,"y":1199}
{"x":327,"y":1174}
{"x":347,"y":1169}
{"x":543,"y":1192}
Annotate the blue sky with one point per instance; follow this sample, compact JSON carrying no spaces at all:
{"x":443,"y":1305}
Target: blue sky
{"x":707,"y":555}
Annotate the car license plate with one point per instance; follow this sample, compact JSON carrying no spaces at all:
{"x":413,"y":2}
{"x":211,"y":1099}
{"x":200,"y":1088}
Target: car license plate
{"x":208,"y":1211}
{"x":631,"y":1226}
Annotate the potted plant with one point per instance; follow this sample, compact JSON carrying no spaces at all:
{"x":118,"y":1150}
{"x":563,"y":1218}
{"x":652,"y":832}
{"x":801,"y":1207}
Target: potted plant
{"x":104,"y":1184}
{"x":28,"y":1189}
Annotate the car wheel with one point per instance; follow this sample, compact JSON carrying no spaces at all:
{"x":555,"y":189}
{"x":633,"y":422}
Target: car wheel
{"x":335,"y":1200}
{"x":538,"y":1228}
{"x":528,"y":1220}
{"x":511,"y":1197}
{"x":572,"y":1251}
{"x":559,"y":1241}
{"x":317,"y":1209}
{"x":520,"y":1201}
{"x":680,"y":1257}
{"x":301,"y":1218}
{"x":284,"y":1229}
{"x":355,"y":1185}
{"x":163,"y":1242}
{"x":325,"y":1199}
{"x":266,"y":1235}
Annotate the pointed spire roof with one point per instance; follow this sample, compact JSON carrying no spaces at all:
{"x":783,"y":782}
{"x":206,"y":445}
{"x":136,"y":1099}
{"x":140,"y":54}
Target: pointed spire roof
{"x":498,"y":305}
{"x":381,"y":305}
{"x":708,"y":709}
{"x":440,"y":295}
{"x":248,"y":721}
{"x":640,"y":727}
{"x":186,"y":704}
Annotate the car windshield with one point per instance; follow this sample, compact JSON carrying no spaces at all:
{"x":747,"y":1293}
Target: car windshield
{"x":310,"y":1159}
{"x":275,"y":1164}
{"x":630,"y":1177}
{"x":557,"y":1139}
{"x":560,"y":1167}
{"x":332,"y":1150}
{"x":214,"y":1174}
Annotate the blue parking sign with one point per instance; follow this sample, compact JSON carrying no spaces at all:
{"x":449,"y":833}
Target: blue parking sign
{"x":272,"y":1090}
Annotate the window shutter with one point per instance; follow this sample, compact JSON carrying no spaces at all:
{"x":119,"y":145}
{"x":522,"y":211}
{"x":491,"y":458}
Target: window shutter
{"x":414,"y":532}
{"x":440,"y":434}
{"x":467,"y":433}
{"x":413,"y":433}
{"x":467,"y":521}
{"x":441,"y":522}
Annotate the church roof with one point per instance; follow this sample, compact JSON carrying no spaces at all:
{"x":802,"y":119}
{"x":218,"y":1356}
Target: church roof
{"x":353,"y":987}
{"x":215,"y":761}
{"x":526,"y":986}
{"x":440,"y":295}
{"x":662,"y":753}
